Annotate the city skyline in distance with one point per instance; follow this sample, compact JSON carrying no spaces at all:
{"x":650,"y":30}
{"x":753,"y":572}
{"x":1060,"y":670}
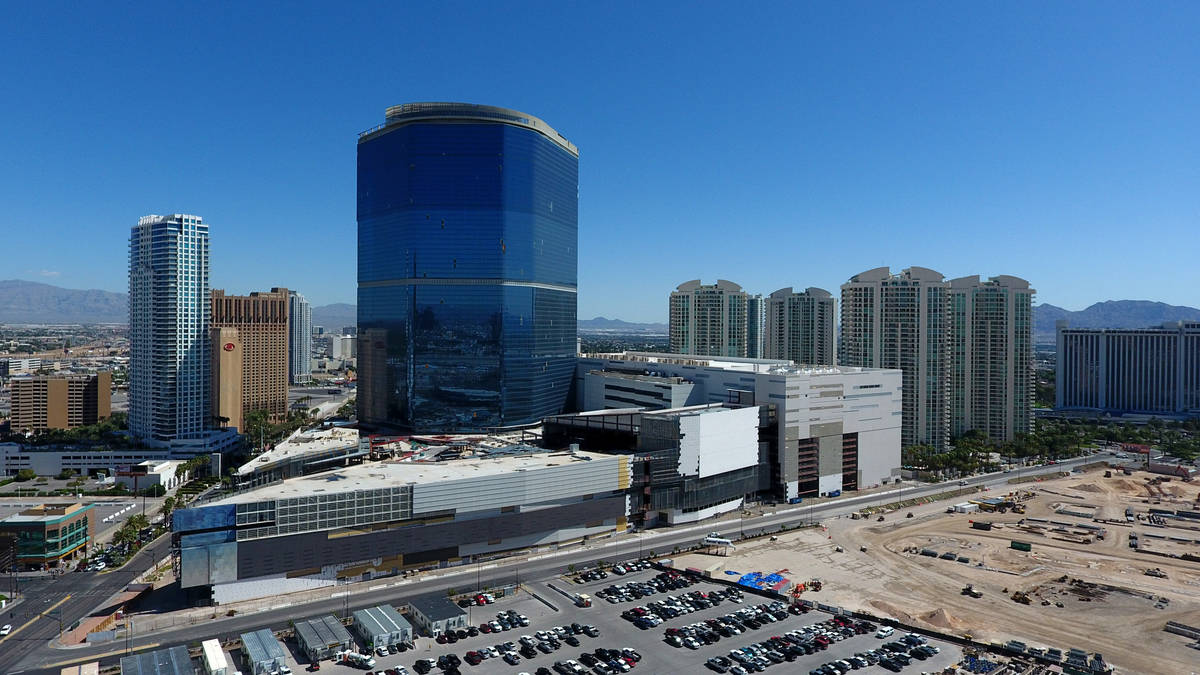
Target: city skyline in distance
{"x":1045,"y":143}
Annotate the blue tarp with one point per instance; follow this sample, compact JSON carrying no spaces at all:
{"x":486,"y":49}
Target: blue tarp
{"x":757,"y":580}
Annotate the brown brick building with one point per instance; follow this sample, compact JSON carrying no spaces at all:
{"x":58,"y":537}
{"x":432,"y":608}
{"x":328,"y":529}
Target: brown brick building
{"x":261,"y":324}
{"x":60,"y":401}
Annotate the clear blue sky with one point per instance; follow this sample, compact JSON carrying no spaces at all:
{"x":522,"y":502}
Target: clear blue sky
{"x":781,"y":144}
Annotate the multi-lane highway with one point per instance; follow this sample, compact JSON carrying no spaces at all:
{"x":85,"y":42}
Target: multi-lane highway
{"x":51,"y":602}
{"x":32,"y":652}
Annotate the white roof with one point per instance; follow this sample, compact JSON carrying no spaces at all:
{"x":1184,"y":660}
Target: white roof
{"x":214,"y":656}
{"x":302,"y":443}
{"x":375,"y":475}
{"x":772,"y":366}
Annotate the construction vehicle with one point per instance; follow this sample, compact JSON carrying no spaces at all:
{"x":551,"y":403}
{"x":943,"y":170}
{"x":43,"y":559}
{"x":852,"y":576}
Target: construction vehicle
{"x":1156,"y":572}
{"x":970,"y":590}
{"x":1021,"y":597}
{"x":1018,"y":508}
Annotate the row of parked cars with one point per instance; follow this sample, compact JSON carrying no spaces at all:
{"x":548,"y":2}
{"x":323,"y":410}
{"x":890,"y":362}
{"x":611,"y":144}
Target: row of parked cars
{"x":759,"y":656}
{"x":635,"y":590}
{"x":652,"y":614}
{"x":602,"y":661}
{"x":736,"y":623}
{"x":504,"y":621}
{"x":528,"y":646}
{"x":618,"y":569}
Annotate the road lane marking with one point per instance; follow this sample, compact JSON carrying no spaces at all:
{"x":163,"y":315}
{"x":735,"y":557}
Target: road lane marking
{"x":97,"y":657}
{"x":49,"y":609}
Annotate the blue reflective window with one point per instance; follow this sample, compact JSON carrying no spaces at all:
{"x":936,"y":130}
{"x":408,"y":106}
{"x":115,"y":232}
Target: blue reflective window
{"x":478,"y":205}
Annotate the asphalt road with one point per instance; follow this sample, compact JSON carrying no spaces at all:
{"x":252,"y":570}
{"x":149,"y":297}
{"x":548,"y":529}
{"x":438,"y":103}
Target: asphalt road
{"x":34,"y":655}
{"x":67,"y":598}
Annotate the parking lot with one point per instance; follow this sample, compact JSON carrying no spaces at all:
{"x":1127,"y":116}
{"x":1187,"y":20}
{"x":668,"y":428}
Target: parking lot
{"x":102,"y":511}
{"x":616,"y":633}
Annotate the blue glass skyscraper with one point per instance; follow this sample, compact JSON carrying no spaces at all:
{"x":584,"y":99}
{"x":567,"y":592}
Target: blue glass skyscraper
{"x":467,"y":254}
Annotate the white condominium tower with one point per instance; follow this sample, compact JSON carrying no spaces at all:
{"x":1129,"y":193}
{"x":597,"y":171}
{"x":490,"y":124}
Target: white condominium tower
{"x":902,"y":321}
{"x":299,"y":339}
{"x":709,"y":320}
{"x":801,"y":327}
{"x":991,"y":369}
{"x":169,"y":316}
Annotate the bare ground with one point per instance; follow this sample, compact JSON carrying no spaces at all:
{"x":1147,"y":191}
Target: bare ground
{"x":1122,"y":617}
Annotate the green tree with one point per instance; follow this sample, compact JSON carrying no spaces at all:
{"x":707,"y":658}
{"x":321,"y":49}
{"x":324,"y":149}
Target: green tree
{"x":156,"y":490}
{"x":26,"y":475}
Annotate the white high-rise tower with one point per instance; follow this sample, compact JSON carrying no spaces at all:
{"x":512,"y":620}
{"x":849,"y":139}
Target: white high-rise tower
{"x":169,"y":316}
{"x":299,"y":339}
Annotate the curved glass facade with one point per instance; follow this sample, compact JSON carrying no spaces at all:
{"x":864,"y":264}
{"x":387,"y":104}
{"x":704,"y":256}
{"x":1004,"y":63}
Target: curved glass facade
{"x":467,"y":235}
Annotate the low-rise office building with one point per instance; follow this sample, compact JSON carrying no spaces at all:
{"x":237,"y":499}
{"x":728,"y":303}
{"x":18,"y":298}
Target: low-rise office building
{"x":150,"y":473}
{"x":46,"y":402}
{"x":381,"y":626}
{"x":323,"y":636}
{"x":169,"y":661}
{"x":50,"y":533}
{"x":212,"y":657}
{"x":262,"y":652}
{"x":435,"y":614}
{"x":11,"y":367}
{"x":50,"y":461}
{"x":825,"y":428}
{"x":381,"y":518}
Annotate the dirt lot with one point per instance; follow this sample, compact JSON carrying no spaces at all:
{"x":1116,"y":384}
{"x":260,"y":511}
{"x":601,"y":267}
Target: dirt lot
{"x":1094,"y":596}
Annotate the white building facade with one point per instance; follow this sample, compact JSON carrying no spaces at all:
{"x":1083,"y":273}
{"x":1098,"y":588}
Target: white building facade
{"x":709,"y":320}
{"x":903,"y":321}
{"x":992,"y":374}
{"x":169,"y":318}
{"x":834,"y":427}
{"x":801,"y":327}
{"x":1146,"y":371}
{"x":299,"y":339}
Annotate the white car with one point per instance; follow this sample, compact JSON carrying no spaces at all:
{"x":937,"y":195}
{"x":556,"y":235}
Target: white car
{"x":885,"y":632}
{"x":5,"y":629}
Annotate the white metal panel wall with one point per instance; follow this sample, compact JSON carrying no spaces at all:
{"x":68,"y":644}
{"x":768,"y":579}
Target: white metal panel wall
{"x":518,"y":488}
{"x":718,"y":441}
{"x":878,"y":455}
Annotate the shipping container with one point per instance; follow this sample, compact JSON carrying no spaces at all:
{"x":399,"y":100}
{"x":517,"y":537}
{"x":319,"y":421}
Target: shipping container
{"x":1020,"y":545}
{"x":981,"y":525}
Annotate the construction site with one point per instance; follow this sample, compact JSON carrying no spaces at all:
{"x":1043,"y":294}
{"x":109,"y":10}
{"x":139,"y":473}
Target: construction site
{"x":1098,"y":561}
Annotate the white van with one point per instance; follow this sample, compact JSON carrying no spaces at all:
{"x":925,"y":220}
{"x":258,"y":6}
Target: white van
{"x":885,"y":632}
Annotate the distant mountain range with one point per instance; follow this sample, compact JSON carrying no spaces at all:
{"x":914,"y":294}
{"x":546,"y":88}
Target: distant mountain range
{"x":603,"y":325}
{"x":35,"y":302}
{"x":335,"y":317}
{"x":1111,"y":314}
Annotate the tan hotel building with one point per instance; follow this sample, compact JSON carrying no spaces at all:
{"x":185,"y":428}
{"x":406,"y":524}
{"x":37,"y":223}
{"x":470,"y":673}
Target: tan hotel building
{"x":254,"y":327}
{"x":60,"y":401}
